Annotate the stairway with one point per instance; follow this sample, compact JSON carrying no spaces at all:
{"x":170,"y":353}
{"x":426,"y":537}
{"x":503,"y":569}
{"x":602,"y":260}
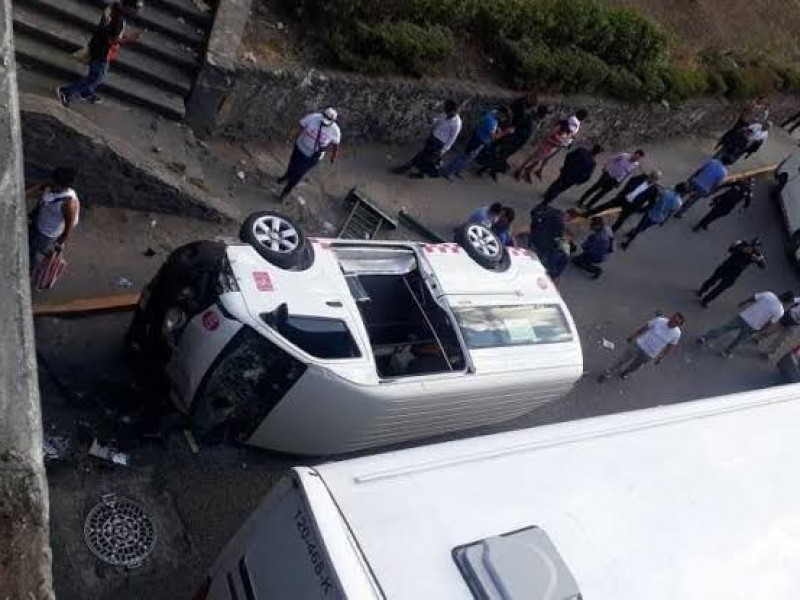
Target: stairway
{"x":156,"y":73}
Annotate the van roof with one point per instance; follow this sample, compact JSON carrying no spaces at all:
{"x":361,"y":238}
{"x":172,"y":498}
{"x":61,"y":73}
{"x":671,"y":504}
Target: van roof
{"x":690,"y":501}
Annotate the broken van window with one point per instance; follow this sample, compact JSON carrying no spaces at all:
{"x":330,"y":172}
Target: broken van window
{"x":496,"y":326}
{"x":318,"y":336}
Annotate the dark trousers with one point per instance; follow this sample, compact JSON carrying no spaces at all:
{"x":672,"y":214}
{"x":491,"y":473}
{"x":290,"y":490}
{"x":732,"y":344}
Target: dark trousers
{"x":583,"y":262}
{"x":645,"y":223}
{"x":86,"y":87}
{"x":299,"y":165}
{"x":602,"y":186}
{"x":712,"y":215}
{"x":426,"y":160}
{"x":721,"y":279}
{"x":558,"y":187}
{"x":795,"y":118}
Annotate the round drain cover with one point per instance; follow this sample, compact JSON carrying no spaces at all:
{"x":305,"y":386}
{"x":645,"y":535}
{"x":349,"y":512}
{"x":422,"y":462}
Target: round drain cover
{"x":119,"y":531}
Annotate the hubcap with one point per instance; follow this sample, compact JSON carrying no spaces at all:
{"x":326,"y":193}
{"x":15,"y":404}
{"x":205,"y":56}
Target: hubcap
{"x":276,"y":234}
{"x":484,"y":241}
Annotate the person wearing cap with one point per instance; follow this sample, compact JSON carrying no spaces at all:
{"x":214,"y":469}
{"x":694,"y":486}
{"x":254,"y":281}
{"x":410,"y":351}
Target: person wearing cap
{"x":742,"y":255}
{"x":103,"y":49}
{"x":638,"y":194}
{"x":724,"y":203}
{"x":444,"y":132}
{"x":318,"y":133}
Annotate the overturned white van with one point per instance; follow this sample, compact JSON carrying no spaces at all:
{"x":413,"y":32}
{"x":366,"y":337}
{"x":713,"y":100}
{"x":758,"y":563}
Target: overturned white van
{"x":322,"y":346}
{"x":695,"y":501}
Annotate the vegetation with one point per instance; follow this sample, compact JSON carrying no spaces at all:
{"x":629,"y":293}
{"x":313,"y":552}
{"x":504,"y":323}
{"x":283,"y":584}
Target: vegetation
{"x":566,"y":46}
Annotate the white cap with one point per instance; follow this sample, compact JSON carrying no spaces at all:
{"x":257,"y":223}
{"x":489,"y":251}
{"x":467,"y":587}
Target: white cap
{"x":329,"y":115}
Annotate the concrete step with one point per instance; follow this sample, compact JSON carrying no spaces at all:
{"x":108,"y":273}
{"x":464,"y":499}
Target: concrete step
{"x":86,"y":17}
{"x":188,"y":10}
{"x":70,"y":38}
{"x":154,"y":18}
{"x":32,"y":52}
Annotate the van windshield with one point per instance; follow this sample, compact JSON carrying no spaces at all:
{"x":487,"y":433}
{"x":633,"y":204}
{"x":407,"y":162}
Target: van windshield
{"x":517,"y":325}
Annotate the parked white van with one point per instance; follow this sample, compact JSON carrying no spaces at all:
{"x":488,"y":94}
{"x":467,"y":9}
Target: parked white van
{"x":327,"y":346}
{"x":695,"y":501}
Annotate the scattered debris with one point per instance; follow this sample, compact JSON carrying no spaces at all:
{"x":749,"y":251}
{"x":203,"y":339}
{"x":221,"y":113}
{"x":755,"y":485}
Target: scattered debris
{"x":104,"y":452}
{"x":200,"y":182}
{"x":301,"y":201}
{"x":249,"y":57}
{"x":608,"y":344}
{"x":156,"y":149}
{"x":179,"y":167}
{"x":328,"y":227}
{"x":153,"y":223}
{"x":279,"y":26}
{"x":191,"y":441}
{"x":241,"y":175}
{"x":149,"y":253}
{"x":203,"y":144}
{"x":55,"y":447}
{"x":202,"y":5}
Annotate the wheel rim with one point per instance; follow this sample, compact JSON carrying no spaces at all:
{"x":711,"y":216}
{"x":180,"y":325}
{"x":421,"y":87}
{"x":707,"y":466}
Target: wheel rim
{"x":276,"y":234}
{"x":484,"y":241}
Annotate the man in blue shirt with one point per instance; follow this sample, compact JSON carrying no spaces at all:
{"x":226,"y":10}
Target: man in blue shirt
{"x":668,"y":202}
{"x":705,"y":182}
{"x":596,"y":248}
{"x":502,"y":227}
{"x":486,"y":215}
{"x":487,"y":131}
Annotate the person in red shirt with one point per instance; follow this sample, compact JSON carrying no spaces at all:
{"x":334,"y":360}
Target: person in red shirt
{"x":103,"y":49}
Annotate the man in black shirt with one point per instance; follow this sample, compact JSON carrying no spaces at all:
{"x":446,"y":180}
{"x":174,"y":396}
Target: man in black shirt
{"x":742,"y":255}
{"x":725,"y":203}
{"x":639,"y":193}
{"x":578,"y":167}
{"x":103,"y":49}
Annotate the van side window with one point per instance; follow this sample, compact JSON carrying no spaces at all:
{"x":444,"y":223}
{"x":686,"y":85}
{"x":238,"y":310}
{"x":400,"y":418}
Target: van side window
{"x":320,"y":337}
{"x":516,"y":565}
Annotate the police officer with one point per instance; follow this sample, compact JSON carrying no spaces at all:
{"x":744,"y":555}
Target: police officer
{"x":724,"y":203}
{"x":742,"y":255}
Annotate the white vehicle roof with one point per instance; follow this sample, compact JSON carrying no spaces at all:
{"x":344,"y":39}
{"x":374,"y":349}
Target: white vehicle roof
{"x":692,"y":501}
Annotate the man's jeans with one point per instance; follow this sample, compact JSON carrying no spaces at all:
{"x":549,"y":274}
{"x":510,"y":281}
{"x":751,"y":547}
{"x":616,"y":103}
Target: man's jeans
{"x":86,"y":87}
{"x":736,"y":324}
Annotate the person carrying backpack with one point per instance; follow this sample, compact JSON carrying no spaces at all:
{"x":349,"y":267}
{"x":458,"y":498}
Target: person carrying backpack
{"x":54,"y":217}
{"x":103,"y":48}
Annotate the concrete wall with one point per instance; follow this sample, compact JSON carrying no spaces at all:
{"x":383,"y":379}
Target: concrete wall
{"x":265,"y":104}
{"x":25,"y":561}
{"x":112,"y":172}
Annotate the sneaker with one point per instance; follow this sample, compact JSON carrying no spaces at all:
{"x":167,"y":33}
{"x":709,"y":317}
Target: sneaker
{"x":62,"y":97}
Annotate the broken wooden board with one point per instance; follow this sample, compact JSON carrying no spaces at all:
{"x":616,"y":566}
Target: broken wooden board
{"x":757,"y":172}
{"x":83,"y":306}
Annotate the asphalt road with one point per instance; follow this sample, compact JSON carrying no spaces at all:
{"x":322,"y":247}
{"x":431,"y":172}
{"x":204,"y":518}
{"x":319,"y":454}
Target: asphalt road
{"x":199,"y":500}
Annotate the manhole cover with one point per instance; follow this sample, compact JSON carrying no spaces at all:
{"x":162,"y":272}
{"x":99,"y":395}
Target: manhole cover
{"x":119,"y":531}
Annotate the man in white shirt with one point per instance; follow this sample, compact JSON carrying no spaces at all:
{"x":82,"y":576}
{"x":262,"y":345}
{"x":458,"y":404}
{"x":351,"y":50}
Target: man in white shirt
{"x":652,"y":342}
{"x":318,"y":133}
{"x":760,"y":313}
{"x":444,"y":132}
{"x":757,"y":135}
{"x":54,"y":217}
{"x":786,"y":328}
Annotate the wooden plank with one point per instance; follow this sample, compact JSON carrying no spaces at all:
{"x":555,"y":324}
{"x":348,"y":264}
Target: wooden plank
{"x":82,"y":306}
{"x":757,"y":172}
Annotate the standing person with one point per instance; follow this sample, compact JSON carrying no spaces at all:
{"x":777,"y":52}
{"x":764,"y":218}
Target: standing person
{"x":525,"y":120}
{"x":667,"y":203}
{"x":705,"y":182}
{"x":637,"y":195}
{"x":444,"y":132}
{"x":559,"y":137}
{"x":502,"y":227}
{"x":733,"y":144}
{"x":104,"y":46}
{"x":786,"y":328}
{"x":760,"y":311}
{"x":617,"y":170}
{"x":318,"y":132}
{"x":487,"y":132}
{"x":54,"y":217}
{"x":596,"y":248}
{"x":652,"y":342}
{"x":486,"y":215}
{"x":549,"y":238}
{"x":724,"y":203}
{"x":578,"y":167}
{"x":742,"y":255}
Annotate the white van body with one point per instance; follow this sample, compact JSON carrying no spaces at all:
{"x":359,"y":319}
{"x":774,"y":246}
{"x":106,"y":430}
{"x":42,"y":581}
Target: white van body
{"x":696,"y":501}
{"x":510,"y":341}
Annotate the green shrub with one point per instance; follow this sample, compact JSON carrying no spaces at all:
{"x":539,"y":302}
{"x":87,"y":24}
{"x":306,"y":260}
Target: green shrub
{"x":683,"y":83}
{"x":624,"y":85}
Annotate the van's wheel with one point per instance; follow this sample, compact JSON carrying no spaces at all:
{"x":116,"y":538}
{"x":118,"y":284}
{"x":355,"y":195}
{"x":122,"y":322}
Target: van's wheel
{"x":278,"y":239}
{"x":482,"y":245}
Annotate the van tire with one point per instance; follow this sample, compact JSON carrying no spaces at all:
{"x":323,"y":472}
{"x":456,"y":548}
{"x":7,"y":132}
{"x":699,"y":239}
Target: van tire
{"x":482,"y":246}
{"x":288,"y":250}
